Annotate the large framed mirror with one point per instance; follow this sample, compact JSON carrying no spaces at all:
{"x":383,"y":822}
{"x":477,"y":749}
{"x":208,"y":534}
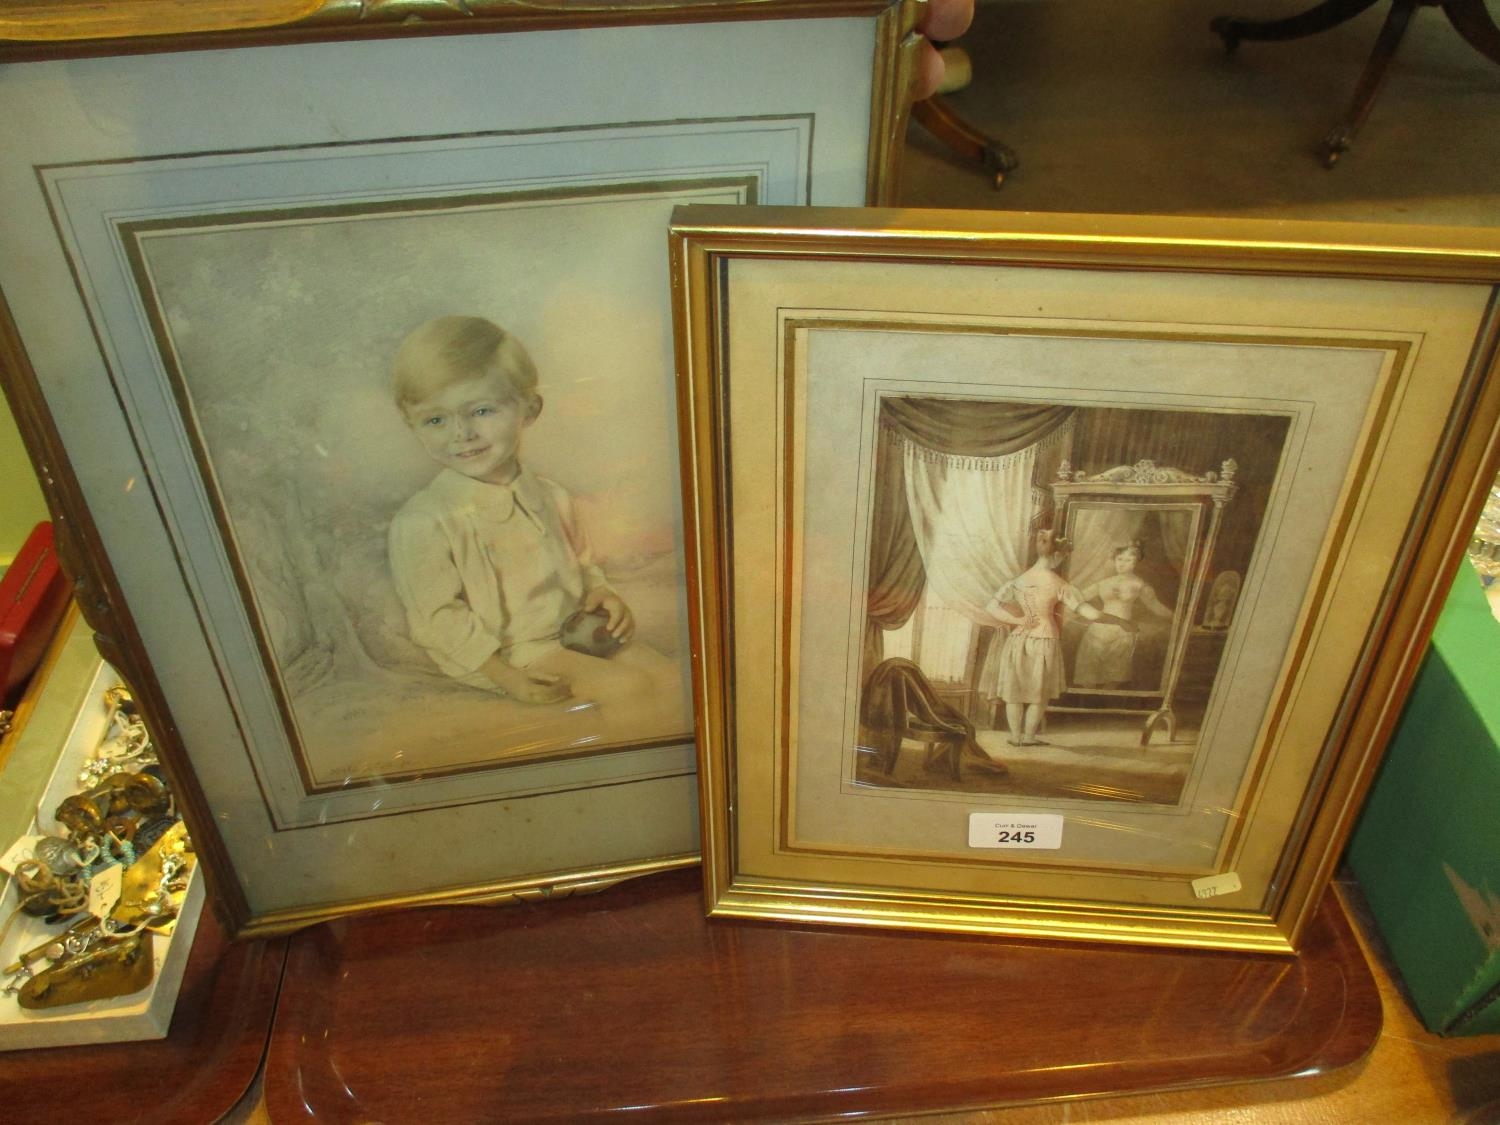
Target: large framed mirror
{"x":1142,"y":541}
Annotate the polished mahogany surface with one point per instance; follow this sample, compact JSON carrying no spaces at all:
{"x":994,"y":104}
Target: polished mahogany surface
{"x":195,"y":1075}
{"x":632,"y":1001}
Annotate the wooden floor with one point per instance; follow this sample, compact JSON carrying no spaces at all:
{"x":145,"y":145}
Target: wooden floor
{"x":1136,"y":108}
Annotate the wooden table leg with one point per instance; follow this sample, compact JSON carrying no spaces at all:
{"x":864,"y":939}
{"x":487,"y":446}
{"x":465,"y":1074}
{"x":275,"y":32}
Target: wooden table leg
{"x":1472,"y":20}
{"x":1468,"y":17}
{"x":944,"y":122}
{"x":1341,"y":136}
{"x":1320,"y":17}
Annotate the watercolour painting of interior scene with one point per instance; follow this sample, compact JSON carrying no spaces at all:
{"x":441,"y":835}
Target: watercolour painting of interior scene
{"x":1051,"y":589}
{"x":453,"y":515}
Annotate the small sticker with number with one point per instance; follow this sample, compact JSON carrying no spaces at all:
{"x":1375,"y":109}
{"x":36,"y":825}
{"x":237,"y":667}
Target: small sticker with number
{"x":1015,"y":830}
{"x":104,"y":890}
{"x":1212,"y":885}
{"x":22,"y":850}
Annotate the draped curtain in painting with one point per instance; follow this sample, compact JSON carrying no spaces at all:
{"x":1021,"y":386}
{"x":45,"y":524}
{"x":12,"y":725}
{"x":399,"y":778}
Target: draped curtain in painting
{"x":953,"y":502}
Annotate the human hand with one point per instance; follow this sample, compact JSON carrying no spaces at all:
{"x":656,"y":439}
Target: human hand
{"x":1007,"y":615}
{"x":524,"y":685}
{"x":941,"y":20}
{"x":541,"y":687}
{"x":620,"y":621}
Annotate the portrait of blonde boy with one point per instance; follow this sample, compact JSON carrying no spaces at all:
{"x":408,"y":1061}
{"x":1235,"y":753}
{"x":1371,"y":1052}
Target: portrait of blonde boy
{"x":489,"y":559}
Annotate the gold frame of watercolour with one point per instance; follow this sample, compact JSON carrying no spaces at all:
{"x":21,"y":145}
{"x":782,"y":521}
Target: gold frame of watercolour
{"x":206,"y":203}
{"x":1063,"y":576}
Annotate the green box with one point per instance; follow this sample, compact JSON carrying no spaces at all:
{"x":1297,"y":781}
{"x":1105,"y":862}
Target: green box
{"x":1427,"y":848}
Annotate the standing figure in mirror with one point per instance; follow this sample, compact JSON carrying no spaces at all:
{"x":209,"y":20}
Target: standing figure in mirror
{"x":1106,"y":654}
{"x":1029,"y":672}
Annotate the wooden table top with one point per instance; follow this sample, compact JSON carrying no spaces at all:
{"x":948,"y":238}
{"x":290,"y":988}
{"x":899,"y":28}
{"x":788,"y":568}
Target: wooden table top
{"x":631,"y":1001}
{"x":198,"y":1073}
{"x":581,"y":1008}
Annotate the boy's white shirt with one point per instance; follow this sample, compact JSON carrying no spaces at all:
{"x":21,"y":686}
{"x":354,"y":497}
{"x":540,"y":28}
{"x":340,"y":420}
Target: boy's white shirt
{"x":484,"y":568}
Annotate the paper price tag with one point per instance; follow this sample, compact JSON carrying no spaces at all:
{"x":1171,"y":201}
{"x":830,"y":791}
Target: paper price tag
{"x":1015,"y":830}
{"x":104,"y":890}
{"x":22,"y":850}
{"x":1225,"y":884}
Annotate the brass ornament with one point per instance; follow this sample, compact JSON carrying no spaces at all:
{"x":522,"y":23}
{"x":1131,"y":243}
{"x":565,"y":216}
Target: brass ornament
{"x":155,"y":885}
{"x":110,"y":968}
{"x":121,"y":826}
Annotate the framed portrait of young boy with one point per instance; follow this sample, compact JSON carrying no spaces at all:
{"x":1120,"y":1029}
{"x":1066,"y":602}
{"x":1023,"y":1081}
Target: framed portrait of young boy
{"x":1062,"y":576}
{"x":341,"y":339}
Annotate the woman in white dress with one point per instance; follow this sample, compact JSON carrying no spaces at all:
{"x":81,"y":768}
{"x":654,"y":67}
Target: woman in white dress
{"x":1106,"y":654}
{"x":1029,"y":672}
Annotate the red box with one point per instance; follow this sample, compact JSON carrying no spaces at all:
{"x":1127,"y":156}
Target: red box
{"x":33,"y":597}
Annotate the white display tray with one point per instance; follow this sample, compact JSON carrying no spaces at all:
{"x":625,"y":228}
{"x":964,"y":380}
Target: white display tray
{"x":146,"y":1014}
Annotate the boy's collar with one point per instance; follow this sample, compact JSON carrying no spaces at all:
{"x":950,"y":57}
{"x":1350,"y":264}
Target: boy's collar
{"x":497,"y":500}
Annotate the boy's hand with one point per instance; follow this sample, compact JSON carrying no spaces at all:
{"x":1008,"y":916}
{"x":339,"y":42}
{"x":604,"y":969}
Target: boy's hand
{"x":528,"y":687}
{"x":621,"y":622}
{"x":542,"y":687}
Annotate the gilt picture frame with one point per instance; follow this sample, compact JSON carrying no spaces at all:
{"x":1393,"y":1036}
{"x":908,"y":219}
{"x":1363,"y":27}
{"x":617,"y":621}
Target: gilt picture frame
{"x":341,"y":340}
{"x":1062,"y":576}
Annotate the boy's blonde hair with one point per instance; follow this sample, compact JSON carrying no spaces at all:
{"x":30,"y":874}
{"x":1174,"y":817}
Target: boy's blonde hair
{"x":450,"y":349}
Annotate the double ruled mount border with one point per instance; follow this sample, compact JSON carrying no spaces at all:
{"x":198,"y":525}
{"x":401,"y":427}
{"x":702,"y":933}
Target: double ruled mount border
{"x":66,"y":29}
{"x":1337,"y":389}
{"x":106,"y":442}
